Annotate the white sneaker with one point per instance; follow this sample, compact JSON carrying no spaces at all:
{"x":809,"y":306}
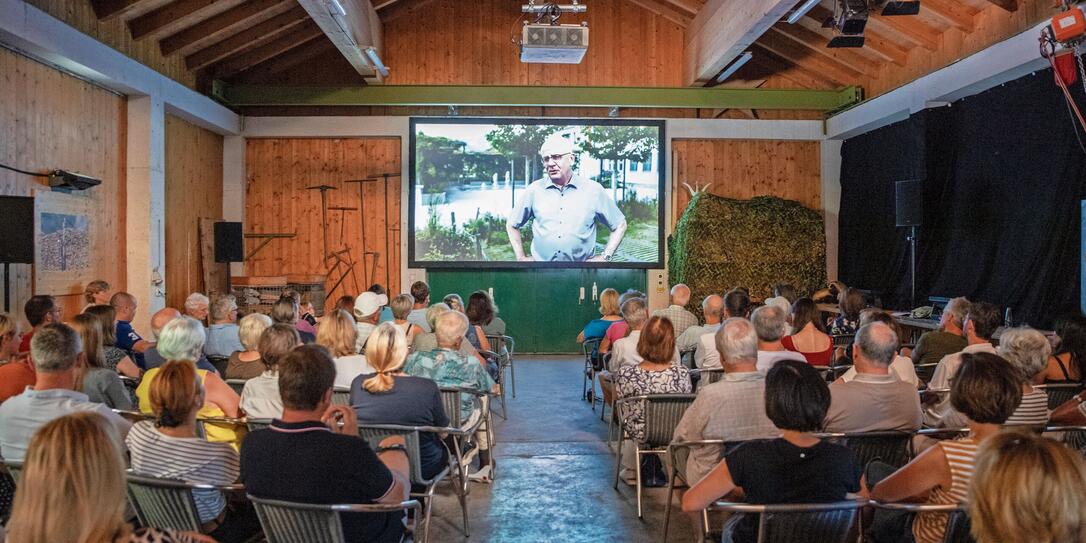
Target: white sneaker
{"x":481,"y":476}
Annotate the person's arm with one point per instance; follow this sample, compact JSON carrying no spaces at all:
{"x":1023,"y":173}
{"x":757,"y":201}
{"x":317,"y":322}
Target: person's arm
{"x":716,"y":484}
{"x":580,"y":337}
{"x":395,"y":459}
{"x":128,"y":368}
{"x":142,"y":346}
{"x":613,"y":242}
{"x":920,"y":349}
{"x":518,"y":243}
{"x":518,"y":217}
{"x":916,"y":479}
{"x":1070,"y":413}
{"x":484,"y":343}
{"x":221,"y":395}
{"x":116,"y":394}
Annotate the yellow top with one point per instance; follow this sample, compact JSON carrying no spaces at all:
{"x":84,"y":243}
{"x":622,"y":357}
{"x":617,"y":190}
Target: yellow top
{"x":214,"y":433}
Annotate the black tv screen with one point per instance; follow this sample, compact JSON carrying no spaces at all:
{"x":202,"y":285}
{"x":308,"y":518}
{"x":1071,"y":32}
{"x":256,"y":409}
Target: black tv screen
{"x":536,"y":193}
{"x":17,"y":243}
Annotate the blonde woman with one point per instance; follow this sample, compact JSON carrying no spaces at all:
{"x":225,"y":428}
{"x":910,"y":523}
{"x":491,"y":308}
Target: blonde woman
{"x":401,"y":307}
{"x":97,"y":292}
{"x":338,"y":334}
{"x":388,"y":396}
{"x":16,"y":372}
{"x":595,"y":329}
{"x":247,"y":364}
{"x":100,"y":383}
{"x":72,"y":489}
{"x":1028,"y":488}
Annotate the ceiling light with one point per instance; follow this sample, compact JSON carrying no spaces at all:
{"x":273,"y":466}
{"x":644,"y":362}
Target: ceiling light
{"x":801,"y":11}
{"x":371,"y":52}
{"x":336,"y":7}
{"x":730,"y":69}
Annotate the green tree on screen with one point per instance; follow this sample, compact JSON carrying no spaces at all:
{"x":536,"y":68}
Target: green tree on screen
{"x":440,"y":162}
{"x":620,"y":143}
{"x":522,"y":141}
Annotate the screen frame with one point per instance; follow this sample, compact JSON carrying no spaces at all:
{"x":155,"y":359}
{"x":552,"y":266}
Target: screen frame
{"x":412,"y":262}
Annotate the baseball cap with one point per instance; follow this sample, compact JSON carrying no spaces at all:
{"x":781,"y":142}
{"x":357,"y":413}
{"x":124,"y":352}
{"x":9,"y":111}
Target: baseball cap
{"x":556,"y":144}
{"x":368,"y":303}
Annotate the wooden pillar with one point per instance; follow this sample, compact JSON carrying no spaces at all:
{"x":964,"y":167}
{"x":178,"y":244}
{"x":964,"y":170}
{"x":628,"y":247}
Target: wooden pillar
{"x":145,"y":195}
{"x":831,"y":201}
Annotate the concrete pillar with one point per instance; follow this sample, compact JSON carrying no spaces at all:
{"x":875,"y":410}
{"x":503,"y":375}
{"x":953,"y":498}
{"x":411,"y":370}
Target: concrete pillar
{"x":831,"y":201}
{"x":145,"y":198}
{"x":233,"y":188}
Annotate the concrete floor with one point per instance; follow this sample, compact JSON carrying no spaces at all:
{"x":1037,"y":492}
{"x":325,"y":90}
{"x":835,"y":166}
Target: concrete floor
{"x":554,"y":473}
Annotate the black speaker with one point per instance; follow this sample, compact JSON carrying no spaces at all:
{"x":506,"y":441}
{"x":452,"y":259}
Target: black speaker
{"x":17,"y":243}
{"x":228,"y":242}
{"x":909,"y":199}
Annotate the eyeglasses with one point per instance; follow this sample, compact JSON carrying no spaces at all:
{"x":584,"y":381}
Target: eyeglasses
{"x":554,"y":158}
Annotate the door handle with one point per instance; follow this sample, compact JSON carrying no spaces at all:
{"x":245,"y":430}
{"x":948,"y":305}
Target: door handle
{"x":580,"y":299}
{"x":595,"y":293}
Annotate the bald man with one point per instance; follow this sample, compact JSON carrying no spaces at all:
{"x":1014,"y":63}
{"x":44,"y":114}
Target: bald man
{"x":680,"y":318}
{"x":159,"y":320}
{"x":565,"y":208}
{"x":712,"y":308}
{"x":125,"y":305}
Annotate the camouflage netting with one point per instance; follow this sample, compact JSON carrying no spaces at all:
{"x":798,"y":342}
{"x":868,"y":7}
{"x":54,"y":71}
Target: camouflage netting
{"x":720,"y":243}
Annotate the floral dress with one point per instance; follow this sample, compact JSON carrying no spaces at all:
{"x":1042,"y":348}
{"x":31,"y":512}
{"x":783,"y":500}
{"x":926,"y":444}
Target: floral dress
{"x":637,"y":381}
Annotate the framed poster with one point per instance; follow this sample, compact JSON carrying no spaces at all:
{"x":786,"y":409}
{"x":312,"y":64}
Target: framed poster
{"x":63,"y":230}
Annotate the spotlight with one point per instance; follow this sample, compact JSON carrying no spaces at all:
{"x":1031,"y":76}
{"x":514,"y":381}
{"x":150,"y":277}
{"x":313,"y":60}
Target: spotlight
{"x":895,"y":7}
{"x":849,"y":20}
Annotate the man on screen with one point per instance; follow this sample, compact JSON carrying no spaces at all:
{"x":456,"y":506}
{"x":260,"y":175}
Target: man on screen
{"x":565,"y":207}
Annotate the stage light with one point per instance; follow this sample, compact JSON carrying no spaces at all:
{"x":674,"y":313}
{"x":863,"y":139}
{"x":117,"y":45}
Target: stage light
{"x":895,"y":8}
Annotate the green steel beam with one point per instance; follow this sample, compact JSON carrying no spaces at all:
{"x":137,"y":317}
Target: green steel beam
{"x":455,"y":95}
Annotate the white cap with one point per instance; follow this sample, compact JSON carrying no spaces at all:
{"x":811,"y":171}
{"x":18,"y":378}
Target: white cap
{"x":556,"y":144}
{"x":781,"y":302}
{"x":369,"y":303}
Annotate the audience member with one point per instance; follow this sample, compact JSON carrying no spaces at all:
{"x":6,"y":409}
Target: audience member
{"x":245,"y":363}
{"x":367,"y":311}
{"x":618,"y":329}
{"x":16,"y":371}
{"x":96,"y":292}
{"x":168,"y":447}
{"x":875,"y":399}
{"x":260,"y":398}
{"x":124,"y":305}
{"x":152,"y":358}
{"x":902,"y":366}
{"x":483,"y":312}
{"x":712,"y":307}
{"x":100,"y":383}
{"x":809,"y":337}
{"x":312,"y":454}
{"x":223,"y":337}
{"x":389,"y":396}
{"x":477,"y":338}
{"x":346,"y":303}
{"x":680,"y":317}
{"x":116,"y":358}
{"x":948,"y":339}
{"x":427,"y":341}
{"x":40,"y":310}
{"x":72,"y":488}
{"x":986,"y":390}
{"x":196,"y":307}
{"x":626,"y":351}
{"x":302,"y":305}
{"x":57,"y":352}
{"x":852,"y":301}
{"x":609,"y":314}
{"x":1065,"y":365}
{"x":338,"y":334}
{"x":309,"y":315}
{"x":732,"y":409}
{"x":797,"y":467}
{"x":386,"y":311}
{"x":286,"y":311}
{"x":782,"y":303}
{"x":420,"y":291}
{"x":1028,"y":351}
{"x":401,"y":308}
{"x":1027,"y":488}
{"x":786,"y":291}
{"x":981,"y":321}
{"x":770,"y":324}
{"x":454,"y":301}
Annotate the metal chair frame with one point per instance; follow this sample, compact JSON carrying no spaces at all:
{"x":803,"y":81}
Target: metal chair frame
{"x":1059,"y":393}
{"x":904,"y":455}
{"x":765,"y":511}
{"x":182,"y":514}
{"x":662,"y":414}
{"x":501,"y":380}
{"x":679,"y":472}
{"x":589,"y":374}
{"x":450,"y":397}
{"x":505,"y":346}
{"x":341,"y":396}
{"x":14,"y":468}
{"x":237,"y":384}
{"x":220,"y":363}
{"x":957,"y":512}
{"x":292,"y":522}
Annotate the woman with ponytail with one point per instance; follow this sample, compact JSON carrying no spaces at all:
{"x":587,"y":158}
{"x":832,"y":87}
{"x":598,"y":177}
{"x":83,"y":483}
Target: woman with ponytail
{"x":388,"y":396}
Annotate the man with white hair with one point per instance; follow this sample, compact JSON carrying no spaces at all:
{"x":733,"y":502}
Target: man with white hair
{"x":153,"y":358}
{"x":565,"y":208}
{"x":948,"y":339}
{"x":771,"y":325}
{"x":712,"y":307}
{"x":680,"y":318}
{"x":222,"y":334}
{"x":196,"y":306}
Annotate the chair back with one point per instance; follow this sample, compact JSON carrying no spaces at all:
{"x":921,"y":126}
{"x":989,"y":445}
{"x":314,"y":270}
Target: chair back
{"x":285,"y":522}
{"x":237,"y":384}
{"x":842,"y":340}
{"x":591,"y":348}
{"x":662,"y":414}
{"x":14,"y":469}
{"x":166,"y":504}
{"x":341,"y":396}
{"x":893,"y":448}
{"x":710,"y":376}
{"x":220,"y":363}
{"x":257,"y":424}
{"x":810,"y":523}
{"x":375,"y":433}
{"x":958,"y":528}
{"x":450,"y":398}
{"x":1060,"y":393}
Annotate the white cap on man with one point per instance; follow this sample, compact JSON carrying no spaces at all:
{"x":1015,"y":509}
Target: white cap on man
{"x":369,"y":303}
{"x":556,"y":144}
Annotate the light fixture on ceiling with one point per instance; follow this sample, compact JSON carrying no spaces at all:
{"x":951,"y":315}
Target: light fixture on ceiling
{"x":849,"y":21}
{"x":898,"y":7}
{"x":337,"y":8}
{"x":371,"y":53}
{"x":802,"y":10}
{"x":730,"y":69}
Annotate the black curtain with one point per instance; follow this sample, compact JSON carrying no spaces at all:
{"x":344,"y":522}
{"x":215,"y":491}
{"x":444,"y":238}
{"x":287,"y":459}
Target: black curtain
{"x":1003,"y":172}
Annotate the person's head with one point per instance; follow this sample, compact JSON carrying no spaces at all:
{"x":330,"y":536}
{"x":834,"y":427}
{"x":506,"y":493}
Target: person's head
{"x":376,"y":288}
{"x":786,"y":291}
{"x":182,"y":339}
{"x":420,"y":291}
{"x":125,"y":305}
{"x":635,"y":312}
{"x":1026,"y":349}
{"x":386,"y":350}
{"x":41,"y":309}
{"x":1071,"y":331}
{"x":368,"y":305}
{"x":454,"y":301}
{"x":781,"y":303}
{"x":107,"y":317}
{"x":954,"y":313}
{"x":250,"y":329}
{"x":876,"y":345}
{"x":176,"y":394}
{"x":196,"y":306}
{"x":629,"y":295}
{"x":161,"y":318}
{"x":680,"y":295}
{"x":401,"y":306}
{"x":986,"y":388}
{"x":285,"y":310}
{"x":805,"y":311}
{"x":770,"y":323}
{"x":338,"y":334}
{"x":345,"y":303}
{"x":223,"y":309}
{"x":306,"y":307}
{"x":10,"y":337}
{"x":96,"y":292}
{"x":796,"y":396}
{"x":72,"y":486}
{"x":56,"y":348}
{"x":736,"y":303}
{"x":657,"y":341}
{"x":712,"y":308}
{"x":982,"y":320}
{"x":609,"y":302}
{"x":481,"y":308}
{"x":433,"y":312}
{"x":852,"y":301}
{"x":293,"y":295}
{"x":557,"y":156}
{"x":306,"y":376}
{"x":275,"y":342}
{"x":90,"y":334}
{"x":737,"y":343}
{"x":1027,"y":488}
{"x":450,"y":329}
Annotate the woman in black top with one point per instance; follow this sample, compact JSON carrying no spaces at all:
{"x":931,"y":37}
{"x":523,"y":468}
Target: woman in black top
{"x":1065,"y":364}
{"x":794,"y":468}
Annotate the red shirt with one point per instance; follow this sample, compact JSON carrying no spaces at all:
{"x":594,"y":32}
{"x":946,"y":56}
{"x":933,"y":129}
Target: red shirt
{"x":15,"y":376}
{"x":821,"y":358}
{"x":24,"y":345}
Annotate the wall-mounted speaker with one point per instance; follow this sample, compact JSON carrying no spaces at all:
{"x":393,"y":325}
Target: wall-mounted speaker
{"x":17,"y":243}
{"x":909,"y":202}
{"x":229,"y":242}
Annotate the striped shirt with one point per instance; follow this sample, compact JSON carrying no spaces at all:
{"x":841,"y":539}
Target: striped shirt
{"x":189,"y":459}
{"x":961,"y":457}
{"x":1033,"y":410}
{"x":680,"y":318}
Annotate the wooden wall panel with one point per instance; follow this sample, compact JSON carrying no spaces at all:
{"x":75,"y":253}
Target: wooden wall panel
{"x":746,"y":168}
{"x":193,"y":191}
{"x":277,"y":201}
{"x":51,"y":120}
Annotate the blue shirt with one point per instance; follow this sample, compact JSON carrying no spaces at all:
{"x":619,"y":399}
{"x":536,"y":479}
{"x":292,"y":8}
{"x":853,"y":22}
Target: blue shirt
{"x":386,"y":315}
{"x":127,"y":338}
{"x":565,"y":217}
{"x":222,"y":340}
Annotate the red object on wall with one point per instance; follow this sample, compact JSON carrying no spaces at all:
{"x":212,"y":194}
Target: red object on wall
{"x":1064,"y":67}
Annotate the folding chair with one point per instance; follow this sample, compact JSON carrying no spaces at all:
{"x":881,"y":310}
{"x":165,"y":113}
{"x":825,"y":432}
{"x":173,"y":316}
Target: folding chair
{"x":1073,"y":436}
{"x":1059,"y":393}
{"x":492,"y":355}
{"x":957,"y":526}
{"x":237,"y":384}
{"x":14,"y":469}
{"x":341,"y":396}
{"x":257,"y":424}
{"x":168,"y":504}
{"x":220,"y":363}
{"x":678,"y":452}
{"x":290,"y":522}
{"x":591,"y":353}
{"x":505,"y":346}
{"x":451,"y":398}
{"x":808,"y":522}
{"x":894,"y":448}
{"x":662,"y":414}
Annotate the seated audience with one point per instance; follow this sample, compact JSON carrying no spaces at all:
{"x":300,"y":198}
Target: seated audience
{"x":260,"y":397}
{"x":625,"y":353}
{"x":809,"y":337}
{"x":346,"y":303}
{"x":100,"y":383}
{"x":1065,"y":365}
{"x":116,"y":358}
{"x":771,"y":324}
{"x":40,"y":310}
{"x":97,"y":292}
{"x":386,"y":311}
{"x":196,"y":307}
{"x":222,"y":335}
{"x":454,"y":301}
{"x":401,"y":307}
{"x":797,"y":467}
{"x":124,"y":305}
{"x":1027,"y":488}
{"x":483,"y":312}
{"x":732,"y":409}
{"x":712,"y":308}
{"x":620,"y":328}
{"x":389,"y":396}
{"x":902,"y":367}
{"x":245,"y":363}
{"x":657,"y":373}
{"x":16,"y":371}
{"x":312,"y":454}
{"x":875,"y":399}
{"x":986,"y":390}
{"x":309,"y":314}
{"x":152,"y":358}
{"x":427,"y":341}
{"x":420,"y":291}
{"x":981,"y":321}
{"x":304,"y":325}
{"x":367,"y":311}
{"x":1028,"y":351}
{"x":680,"y":317}
{"x":72,"y":489}
{"x":609,"y":314}
{"x":337,"y":333}
{"x":948,"y":339}
{"x":786,"y":308}
{"x":286,"y":311}
{"x":736,"y":304}
{"x":57,"y":352}
{"x":786,"y":291}
{"x":169,"y":448}
{"x":852,"y":301}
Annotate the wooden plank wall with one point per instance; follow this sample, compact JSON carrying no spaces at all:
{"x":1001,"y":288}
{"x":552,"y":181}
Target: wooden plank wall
{"x":746,"y":168}
{"x":277,"y":201}
{"x":193,"y":191}
{"x":51,"y":120}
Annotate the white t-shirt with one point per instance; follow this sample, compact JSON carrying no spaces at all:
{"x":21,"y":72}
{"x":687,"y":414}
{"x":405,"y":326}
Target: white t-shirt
{"x":705,"y":354}
{"x":902,"y":367}
{"x":766,"y":359}
{"x":349,"y":367}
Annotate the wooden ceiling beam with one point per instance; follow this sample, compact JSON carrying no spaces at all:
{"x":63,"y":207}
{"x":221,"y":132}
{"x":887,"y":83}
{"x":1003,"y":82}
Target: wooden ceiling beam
{"x":221,"y":25}
{"x":1007,"y":5}
{"x":111,"y":9}
{"x":665,"y":10}
{"x":288,"y":60}
{"x":817,"y":43}
{"x":795,"y":73}
{"x":802,"y":56}
{"x":690,"y":6}
{"x":254,"y":35}
{"x":394,"y":9}
{"x":307,"y":32}
{"x":877,"y":44}
{"x":954,"y":13}
{"x":156,"y":20}
{"x":723,"y":30}
{"x":360,"y":28}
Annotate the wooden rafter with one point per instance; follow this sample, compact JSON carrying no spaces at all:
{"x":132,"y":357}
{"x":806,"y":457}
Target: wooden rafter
{"x":221,"y":25}
{"x":666,"y":10}
{"x":254,"y":35}
{"x":395,"y":9}
{"x":289,"y":60}
{"x":353,"y":32}
{"x":111,"y":9}
{"x":255,"y":55}
{"x":1008,"y":5}
{"x":802,"y":56}
{"x":951,"y":12}
{"x":817,"y":43}
{"x":690,"y":6}
{"x":800,"y":75}
{"x":909,"y":28}
{"x":877,"y":44}
{"x":723,"y":30}
{"x":156,"y":20}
